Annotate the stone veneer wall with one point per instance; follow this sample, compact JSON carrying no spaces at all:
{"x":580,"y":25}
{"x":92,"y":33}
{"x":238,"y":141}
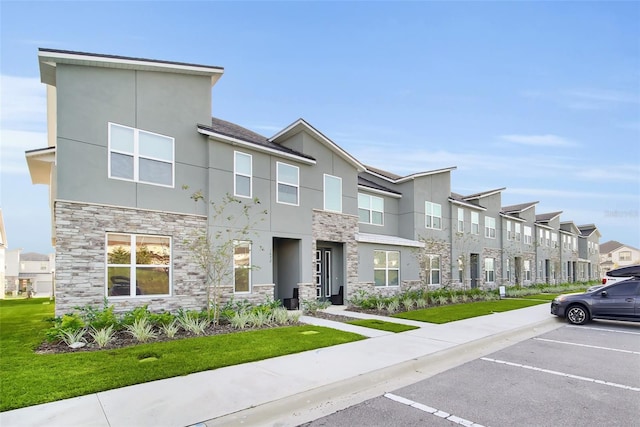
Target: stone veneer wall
{"x":340,"y":228}
{"x":81,"y":256}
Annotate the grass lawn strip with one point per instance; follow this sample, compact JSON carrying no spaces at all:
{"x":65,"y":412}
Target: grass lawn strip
{"x":382,"y":325}
{"x":29,"y":379}
{"x":451,"y":313}
{"x":542,"y":297}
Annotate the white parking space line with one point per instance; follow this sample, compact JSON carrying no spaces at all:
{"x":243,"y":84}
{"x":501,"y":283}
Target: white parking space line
{"x":603,"y":329}
{"x":562,"y":374}
{"x":432,"y":411}
{"x":589,"y":346}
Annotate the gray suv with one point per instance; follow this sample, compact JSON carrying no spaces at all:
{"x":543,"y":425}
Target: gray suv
{"x":618,"y":301}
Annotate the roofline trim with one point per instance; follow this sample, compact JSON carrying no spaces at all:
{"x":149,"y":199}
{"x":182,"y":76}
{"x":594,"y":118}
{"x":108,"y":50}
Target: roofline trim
{"x":469,"y":205}
{"x":254,"y":146}
{"x":382,"y":192}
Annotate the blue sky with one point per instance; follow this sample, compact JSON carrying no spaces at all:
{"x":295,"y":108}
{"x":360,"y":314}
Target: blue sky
{"x":540,"y":97}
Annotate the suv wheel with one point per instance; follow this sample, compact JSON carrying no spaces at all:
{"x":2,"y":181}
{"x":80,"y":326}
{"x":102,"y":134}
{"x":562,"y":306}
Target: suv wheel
{"x":577,"y":315}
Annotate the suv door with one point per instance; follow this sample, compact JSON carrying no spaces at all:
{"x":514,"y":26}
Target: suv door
{"x":619,"y":300}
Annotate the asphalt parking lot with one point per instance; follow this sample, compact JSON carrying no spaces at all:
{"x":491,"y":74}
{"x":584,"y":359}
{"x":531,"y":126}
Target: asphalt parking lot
{"x":577,"y":375}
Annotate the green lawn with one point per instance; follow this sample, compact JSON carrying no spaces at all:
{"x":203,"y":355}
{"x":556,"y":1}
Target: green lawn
{"x":382,"y":325}
{"x":28,"y":378}
{"x":451,"y":313}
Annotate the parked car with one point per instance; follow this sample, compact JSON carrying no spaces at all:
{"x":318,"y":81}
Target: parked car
{"x":620,"y":274}
{"x":618,"y":301}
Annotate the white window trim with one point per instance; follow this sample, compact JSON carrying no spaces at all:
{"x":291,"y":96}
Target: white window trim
{"x":476,"y":223}
{"x":386,"y":269}
{"x":489,"y":229}
{"x":460,"y":220}
{"x":429,"y":269}
{"x":493,"y":270}
{"x":432,"y":215}
{"x":137,"y":157}
{"x":236,"y":173}
{"x":278,"y":182}
{"x":324,"y":181}
{"x":132,"y":266}
{"x":371,"y":210}
{"x":238,"y":243}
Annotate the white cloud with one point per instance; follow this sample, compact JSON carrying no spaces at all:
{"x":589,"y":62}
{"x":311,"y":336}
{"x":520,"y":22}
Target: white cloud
{"x":539,"y":140}
{"x":23,"y":103}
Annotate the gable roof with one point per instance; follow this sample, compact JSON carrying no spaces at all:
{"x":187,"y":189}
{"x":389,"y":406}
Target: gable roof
{"x":458,"y":199}
{"x":612,"y":245}
{"x":48,"y":58}
{"x":235,"y":134}
{"x":588,"y":229}
{"x":511,"y":209}
{"x":302,"y":125}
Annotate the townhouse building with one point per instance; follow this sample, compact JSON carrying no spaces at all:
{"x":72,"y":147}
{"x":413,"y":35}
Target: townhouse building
{"x":136,"y":164}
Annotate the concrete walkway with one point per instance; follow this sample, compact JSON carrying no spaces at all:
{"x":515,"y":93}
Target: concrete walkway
{"x":293,"y":389}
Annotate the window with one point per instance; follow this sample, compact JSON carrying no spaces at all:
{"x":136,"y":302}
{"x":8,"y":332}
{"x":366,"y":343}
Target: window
{"x":332,"y":193}
{"x":509,"y":235}
{"x":547,"y":239}
{"x":624,"y":256}
{"x":433,"y":269}
{"x":629,"y":288}
{"x":460,"y":220}
{"x":140,"y":156}
{"x":507,"y":269}
{"x":475,"y":223}
{"x":489,"y":272}
{"x":138,"y":265}
{"x":433,"y":215}
{"x":527,"y":235}
{"x":554,"y":240}
{"x":541,"y":237}
{"x":288,"y":184}
{"x":575,"y":243}
{"x":241,"y":267}
{"x":517,"y":232}
{"x":490,"y":227}
{"x":386,"y":268}
{"x":242,"y":166}
{"x":371,"y":209}
{"x":527,"y":269}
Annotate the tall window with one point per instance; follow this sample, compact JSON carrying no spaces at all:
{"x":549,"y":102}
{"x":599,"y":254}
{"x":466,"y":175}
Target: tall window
{"x":243,"y":174}
{"x":332,"y":193}
{"x":460,"y":220}
{"x":475,"y":223}
{"x":370,"y":209}
{"x":547,"y":237}
{"x":288,"y":184}
{"x":527,"y":269}
{"x":489,"y":227}
{"x":554,"y":240}
{"x":433,"y":269}
{"x":433,"y":215}
{"x":517,"y":232}
{"x":509,"y":231}
{"x":386,"y":268}
{"x":527,"y":235}
{"x":138,"y":265}
{"x":489,"y":271}
{"x":140,"y":156}
{"x":507,"y":269}
{"x":241,"y":267}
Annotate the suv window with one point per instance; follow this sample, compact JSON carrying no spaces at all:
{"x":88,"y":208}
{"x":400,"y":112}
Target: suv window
{"x":624,"y":288}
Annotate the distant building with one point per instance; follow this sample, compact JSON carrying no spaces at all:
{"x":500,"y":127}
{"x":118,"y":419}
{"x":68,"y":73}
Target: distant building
{"x":3,"y":248}
{"x":28,"y":272}
{"x":614,"y":254}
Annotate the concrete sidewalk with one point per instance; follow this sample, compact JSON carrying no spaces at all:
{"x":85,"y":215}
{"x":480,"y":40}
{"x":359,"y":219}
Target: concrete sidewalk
{"x":293,"y":389}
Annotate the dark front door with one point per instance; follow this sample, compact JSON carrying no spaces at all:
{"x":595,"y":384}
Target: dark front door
{"x":473,"y":270}
{"x":323,"y":273}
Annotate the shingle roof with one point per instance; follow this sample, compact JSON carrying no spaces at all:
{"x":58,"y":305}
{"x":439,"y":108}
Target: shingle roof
{"x":518,"y":208}
{"x":612,"y":245}
{"x":587,"y":229}
{"x":484,"y":193}
{"x":546,"y":217}
{"x":233,"y":130}
{"x":366,"y":183}
{"x":384,"y":173}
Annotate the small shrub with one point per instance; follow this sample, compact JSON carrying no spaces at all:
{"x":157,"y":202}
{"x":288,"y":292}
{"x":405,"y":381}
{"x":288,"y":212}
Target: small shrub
{"x":259,"y":318}
{"x":421,"y":302}
{"x":170,"y":329}
{"x":240,"y":320}
{"x":141,"y":330}
{"x":161,"y":319}
{"x":314,"y":305}
{"x":381,"y":305}
{"x":136,"y":314}
{"x":455,"y":298}
{"x":393,"y":305}
{"x":293,"y":317}
{"x":74,"y":338}
{"x":408,"y":303}
{"x":442,"y":300}
{"x":102,"y":336}
{"x":280,"y":316}
{"x":192,"y":322}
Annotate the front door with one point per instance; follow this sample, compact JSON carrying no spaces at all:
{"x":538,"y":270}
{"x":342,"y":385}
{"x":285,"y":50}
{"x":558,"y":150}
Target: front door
{"x":323,"y":273}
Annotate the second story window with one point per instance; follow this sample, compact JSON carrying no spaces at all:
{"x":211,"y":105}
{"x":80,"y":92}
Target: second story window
{"x":288,"y":184}
{"x":527,"y":235}
{"x":517,"y":232}
{"x":475,"y":223}
{"x":460,"y":220}
{"x":370,"y":209}
{"x":624,"y":255}
{"x":140,"y":156}
{"x":242,"y":169}
{"x":433,"y":215}
{"x":490,"y":227}
{"x":332,"y":193}
{"x":509,"y":235}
